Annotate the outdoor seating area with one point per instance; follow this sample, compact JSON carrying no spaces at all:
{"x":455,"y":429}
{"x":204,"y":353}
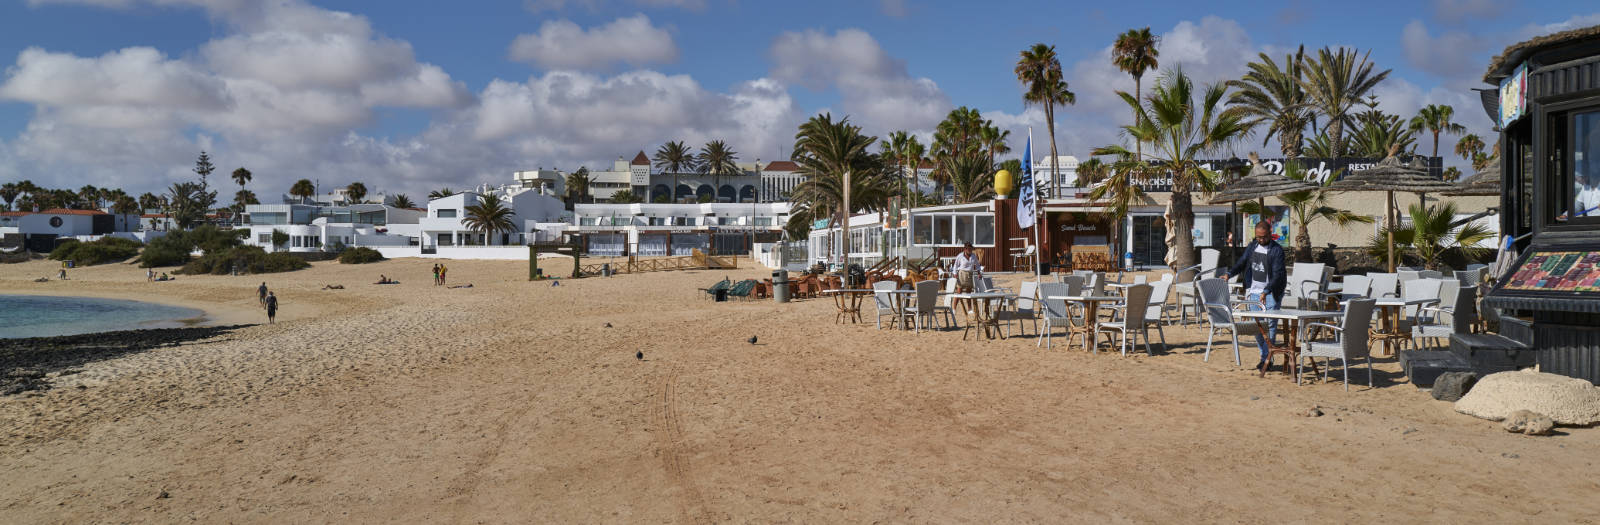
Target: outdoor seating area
{"x":1324,"y":321}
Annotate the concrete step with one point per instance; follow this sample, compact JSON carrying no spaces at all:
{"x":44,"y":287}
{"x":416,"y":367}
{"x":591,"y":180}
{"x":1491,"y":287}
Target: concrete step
{"x":1424,"y":366}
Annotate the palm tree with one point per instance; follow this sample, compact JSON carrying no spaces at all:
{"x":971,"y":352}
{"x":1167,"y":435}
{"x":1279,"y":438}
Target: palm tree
{"x":1306,"y":207}
{"x":1469,"y":147}
{"x":489,"y":217}
{"x":1114,"y":189}
{"x":1334,"y":83}
{"x":834,"y":158}
{"x":441,"y":193}
{"x":1179,"y":129}
{"x":913,"y":156}
{"x":241,"y":177}
{"x":993,"y":141}
{"x":970,"y":174}
{"x":625,"y":196}
{"x":1436,"y":119}
{"x":1380,"y":133}
{"x":1272,"y":95}
{"x":402,"y":201}
{"x":88,"y":197}
{"x":244,"y":198}
{"x":125,"y":205}
{"x":893,"y":151}
{"x":355,"y":192}
{"x":578,"y":184}
{"x":958,"y":134}
{"x":675,"y":158}
{"x":717,"y":160}
{"x":303,"y":189}
{"x":1040,"y":70}
{"x":1135,"y":52}
{"x":9,"y":192}
{"x":150,"y":201}
{"x":1430,"y":235}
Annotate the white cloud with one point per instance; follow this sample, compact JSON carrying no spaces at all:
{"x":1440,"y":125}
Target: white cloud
{"x":1574,"y":22}
{"x":561,"y":44}
{"x":875,"y":88}
{"x":1450,"y":54}
{"x":136,"y":77}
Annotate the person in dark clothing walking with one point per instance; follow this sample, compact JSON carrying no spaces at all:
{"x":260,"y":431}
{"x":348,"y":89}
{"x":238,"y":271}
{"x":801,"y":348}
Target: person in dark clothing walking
{"x":1261,"y":269}
{"x":261,"y":294}
{"x":272,"y":308}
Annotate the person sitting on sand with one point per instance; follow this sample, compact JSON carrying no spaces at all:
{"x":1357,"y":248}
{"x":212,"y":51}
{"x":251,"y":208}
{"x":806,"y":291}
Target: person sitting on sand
{"x":332,"y":287}
{"x":382,"y":279}
{"x":164,"y":277}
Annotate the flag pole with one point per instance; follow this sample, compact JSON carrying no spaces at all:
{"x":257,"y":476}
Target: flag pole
{"x":1038,"y":249}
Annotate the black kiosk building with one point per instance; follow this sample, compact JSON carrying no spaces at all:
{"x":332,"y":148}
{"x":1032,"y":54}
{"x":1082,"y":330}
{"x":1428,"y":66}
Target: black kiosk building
{"x":1547,"y":105}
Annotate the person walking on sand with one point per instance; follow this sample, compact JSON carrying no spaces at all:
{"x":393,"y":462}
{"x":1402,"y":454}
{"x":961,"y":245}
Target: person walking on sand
{"x":272,"y":308}
{"x":261,"y":294}
{"x":436,"y":274}
{"x":150,"y":275}
{"x":1261,"y":268}
{"x":444,"y":273}
{"x":967,"y":271}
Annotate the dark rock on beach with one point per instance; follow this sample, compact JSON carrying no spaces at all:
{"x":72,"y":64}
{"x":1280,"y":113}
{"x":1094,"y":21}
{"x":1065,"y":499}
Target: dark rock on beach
{"x":26,"y":363}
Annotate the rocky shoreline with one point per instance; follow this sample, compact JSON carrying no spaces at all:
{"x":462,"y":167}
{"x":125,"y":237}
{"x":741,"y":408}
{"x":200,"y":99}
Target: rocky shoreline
{"x":26,"y":364}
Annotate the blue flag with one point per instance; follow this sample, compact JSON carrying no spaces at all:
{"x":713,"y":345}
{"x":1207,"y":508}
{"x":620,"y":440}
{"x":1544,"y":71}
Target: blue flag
{"x":1025,"y":194}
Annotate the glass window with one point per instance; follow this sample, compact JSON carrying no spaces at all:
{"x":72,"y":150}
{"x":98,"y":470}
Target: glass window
{"x":941,"y":229}
{"x":1586,"y":164}
{"x":985,"y":234}
{"x":447,"y":214}
{"x":964,"y":229}
{"x":264,"y":238}
{"x":922,"y":228}
{"x":586,"y":221}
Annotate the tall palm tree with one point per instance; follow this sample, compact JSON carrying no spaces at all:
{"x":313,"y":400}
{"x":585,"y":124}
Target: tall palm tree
{"x":489,"y":217}
{"x":441,"y":193}
{"x":993,"y":141}
{"x":241,"y":177}
{"x":971,"y":175}
{"x":1179,"y":128}
{"x":914,"y":154}
{"x":835,"y":159}
{"x":674,"y":157}
{"x":356,"y":191}
{"x":150,"y":201}
{"x":893,"y":151}
{"x":1039,"y":69}
{"x":1135,"y":52}
{"x":402,"y":201}
{"x":958,"y":134}
{"x":1380,"y":133}
{"x":125,"y":205}
{"x":1335,"y":82}
{"x":718,"y":160}
{"x":303,"y":189}
{"x":88,"y":197}
{"x":1436,"y":119}
{"x":1306,"y":207}
{"x":1469,"y":147}
{"x":1272,"y":95}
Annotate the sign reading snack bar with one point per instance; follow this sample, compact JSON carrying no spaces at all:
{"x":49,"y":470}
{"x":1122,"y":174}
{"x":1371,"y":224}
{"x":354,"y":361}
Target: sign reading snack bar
{"x":1318,"y":170}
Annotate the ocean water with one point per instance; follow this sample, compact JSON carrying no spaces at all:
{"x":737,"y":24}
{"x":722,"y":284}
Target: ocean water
{"x":42,"y":315}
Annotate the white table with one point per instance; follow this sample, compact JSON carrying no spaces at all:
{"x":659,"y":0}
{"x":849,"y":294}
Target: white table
{"x":978,"y":315}
{"x":1091,"y":305}
{"x":1293,"y":317}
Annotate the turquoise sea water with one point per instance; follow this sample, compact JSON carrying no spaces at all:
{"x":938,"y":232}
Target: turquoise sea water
{"x":42,"y":316}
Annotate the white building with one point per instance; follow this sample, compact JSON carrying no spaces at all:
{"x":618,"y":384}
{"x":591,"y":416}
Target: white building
{"x":552,"y":182}
{"x":677,"y":229}
{"x":314,"y":228}
{"x":1064,"y":187}
{"x":444,"y":223}
{"x":632,"y":175}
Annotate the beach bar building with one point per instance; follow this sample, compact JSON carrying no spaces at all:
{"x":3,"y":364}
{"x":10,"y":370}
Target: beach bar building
{"x":676,"y":229}
{"x":1546,"y":101}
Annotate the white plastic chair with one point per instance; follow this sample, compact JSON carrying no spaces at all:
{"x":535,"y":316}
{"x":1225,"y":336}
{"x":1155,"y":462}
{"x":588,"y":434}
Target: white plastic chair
{"x":1350,"y":342}
{"x":1135,"y":324}
{"x":1055,"y":313}
{"x":925,"y":311}
{"x":884,"y":301}
{"x":1304,"y":282}
{"x":1219,"y":313}
{"x":1382,"y":285}
{"x":1454,"y":315}
{"x":1026,"y":308}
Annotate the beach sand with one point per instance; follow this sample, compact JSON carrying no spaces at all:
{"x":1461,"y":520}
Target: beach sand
{"x":511,"y":402}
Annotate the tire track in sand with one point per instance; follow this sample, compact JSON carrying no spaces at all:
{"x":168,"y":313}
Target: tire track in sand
{"x":669,"y":443}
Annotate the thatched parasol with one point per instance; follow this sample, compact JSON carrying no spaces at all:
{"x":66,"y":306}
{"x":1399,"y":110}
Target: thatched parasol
{"x":1390,"y":176}
{"x":1259,"y":184}
{"x":1484,"y":183}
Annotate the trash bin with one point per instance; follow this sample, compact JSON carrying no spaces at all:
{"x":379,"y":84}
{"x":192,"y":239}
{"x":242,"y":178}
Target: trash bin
{"x":780,"y":286}
{"x":605,"y":269}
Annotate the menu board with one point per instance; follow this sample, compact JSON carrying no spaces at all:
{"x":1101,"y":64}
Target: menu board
{"x":1558,"y":272}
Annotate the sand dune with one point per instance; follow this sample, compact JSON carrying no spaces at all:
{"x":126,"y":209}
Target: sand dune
{"x":511,"y":402}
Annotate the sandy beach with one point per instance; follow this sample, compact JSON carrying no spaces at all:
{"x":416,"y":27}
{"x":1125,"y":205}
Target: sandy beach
{"x":513,"y":402}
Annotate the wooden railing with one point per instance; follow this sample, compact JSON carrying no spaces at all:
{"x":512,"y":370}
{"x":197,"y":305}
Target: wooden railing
{"x":698,"y":260}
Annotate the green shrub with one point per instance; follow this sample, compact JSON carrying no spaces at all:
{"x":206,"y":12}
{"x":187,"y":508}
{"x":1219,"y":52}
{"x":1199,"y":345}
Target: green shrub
{"x":105,"y":250}
{"x":174,"y":248}
{"x":246,"y":259}
{"x":360,"y":255}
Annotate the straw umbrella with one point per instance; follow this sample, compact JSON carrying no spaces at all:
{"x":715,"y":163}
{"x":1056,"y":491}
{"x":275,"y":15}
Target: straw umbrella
{"x":1485,"y":183}
{"x":1390,"y":176}
{"x":1258,"y":185}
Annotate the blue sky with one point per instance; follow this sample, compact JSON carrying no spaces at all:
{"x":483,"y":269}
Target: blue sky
{"x":409,"y":95}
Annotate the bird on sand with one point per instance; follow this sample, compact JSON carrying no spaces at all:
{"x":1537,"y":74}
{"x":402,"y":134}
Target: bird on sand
{"x":752,"y":339}
{"x":638,"y":355}
{"x":608,"y":325}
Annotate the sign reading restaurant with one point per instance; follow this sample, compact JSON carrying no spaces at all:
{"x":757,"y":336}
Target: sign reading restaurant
{"x":1319,"y":170}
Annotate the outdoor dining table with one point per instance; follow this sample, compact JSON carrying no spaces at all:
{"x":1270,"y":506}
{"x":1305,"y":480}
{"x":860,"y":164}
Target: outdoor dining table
{"x":901,"y":298}
{"x":981,"y":315}
{"x":1091,"y":305}
{"x":1293,"y":317}
{"x":848,"y":301}
{"x":1389,"y":322}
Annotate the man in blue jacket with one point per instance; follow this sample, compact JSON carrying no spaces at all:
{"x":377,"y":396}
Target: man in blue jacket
{"x":1261,"y":269}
